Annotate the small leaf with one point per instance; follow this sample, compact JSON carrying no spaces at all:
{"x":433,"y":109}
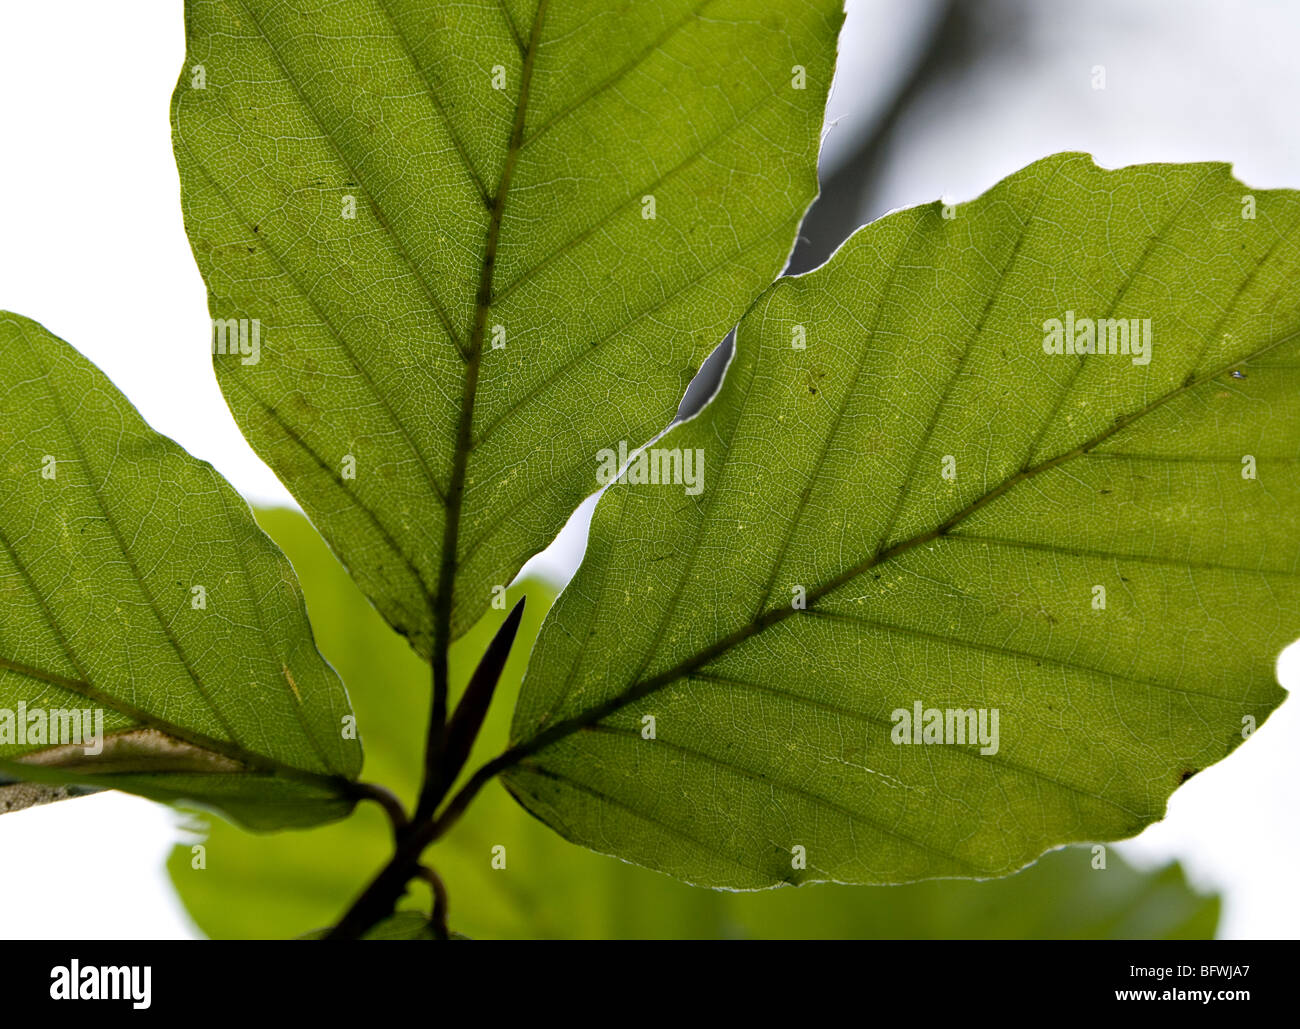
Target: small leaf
{"x":459,"y":248}
{"x":152,"y":638}
{"x":912,"y":503}
{"x":463,"y":729}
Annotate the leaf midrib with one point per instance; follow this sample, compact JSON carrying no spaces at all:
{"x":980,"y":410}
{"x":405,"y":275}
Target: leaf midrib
{"x":639,"y":690}
{"x":444,"y":594}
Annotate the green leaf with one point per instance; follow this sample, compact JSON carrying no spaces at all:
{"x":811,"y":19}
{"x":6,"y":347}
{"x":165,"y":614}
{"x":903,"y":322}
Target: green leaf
{"x":434,"y":460}
{"x":136,"y":588}
{"x":274,"y":886}
{"x":946,"y":498}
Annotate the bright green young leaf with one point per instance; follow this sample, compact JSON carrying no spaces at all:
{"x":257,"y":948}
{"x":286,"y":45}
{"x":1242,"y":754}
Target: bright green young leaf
{"x":464,"y":246}
{"x":152,"y":638}
{"x":910,"y":503}
{"x":275,"y":886}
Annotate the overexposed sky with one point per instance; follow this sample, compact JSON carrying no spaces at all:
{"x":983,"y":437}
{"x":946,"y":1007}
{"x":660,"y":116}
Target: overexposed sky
{"x":91,"y":245}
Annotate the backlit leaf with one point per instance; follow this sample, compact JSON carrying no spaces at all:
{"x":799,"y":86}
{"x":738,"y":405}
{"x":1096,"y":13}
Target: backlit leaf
{"x":909,"y":503}
{"x":152,"y":638}
{"x":466,"y":245}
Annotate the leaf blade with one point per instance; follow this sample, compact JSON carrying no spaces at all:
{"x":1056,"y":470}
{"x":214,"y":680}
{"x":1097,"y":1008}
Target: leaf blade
{"x":377,"y":327}
{"x":135,"y":579}
{"x":923,"y":347}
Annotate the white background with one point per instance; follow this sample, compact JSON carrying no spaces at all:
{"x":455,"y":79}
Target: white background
{"x":91,"y":245}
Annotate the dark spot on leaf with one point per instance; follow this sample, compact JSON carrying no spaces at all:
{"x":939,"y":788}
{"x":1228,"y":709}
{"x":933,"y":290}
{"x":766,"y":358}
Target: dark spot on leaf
{"x":1187,"y":774}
